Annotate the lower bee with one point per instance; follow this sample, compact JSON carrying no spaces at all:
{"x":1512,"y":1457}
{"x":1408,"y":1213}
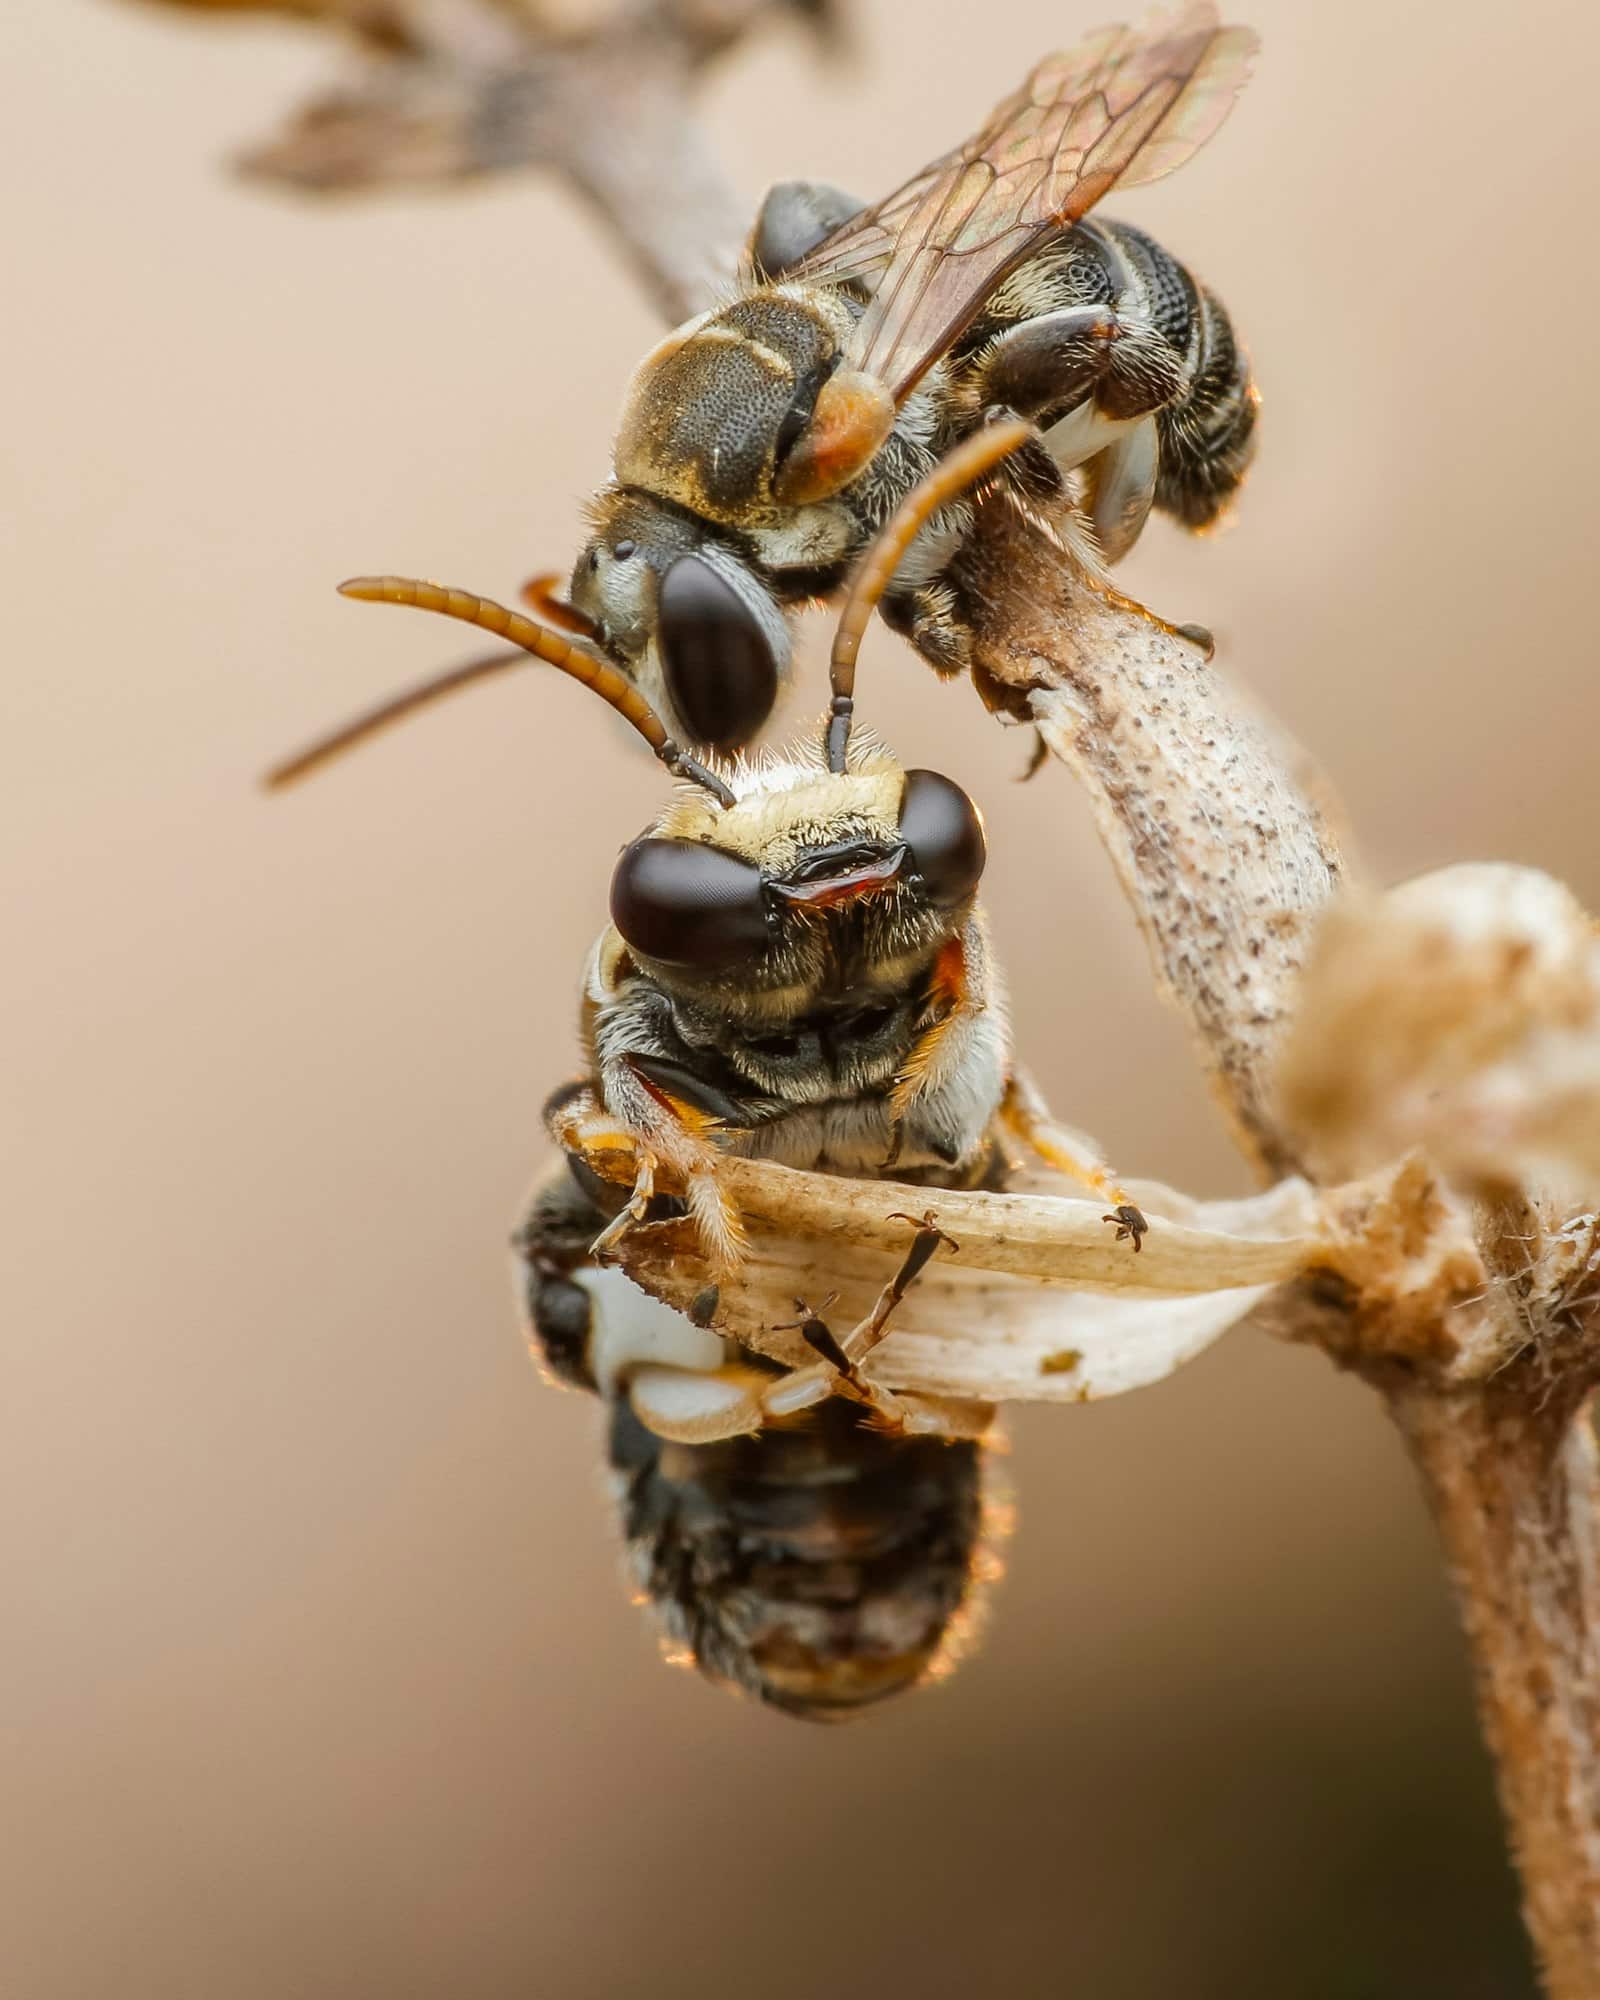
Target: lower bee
{"x":796,"y":969}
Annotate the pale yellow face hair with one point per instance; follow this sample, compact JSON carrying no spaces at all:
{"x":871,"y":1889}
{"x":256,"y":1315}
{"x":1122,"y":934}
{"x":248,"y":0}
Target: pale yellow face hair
{"x":790,"y":805}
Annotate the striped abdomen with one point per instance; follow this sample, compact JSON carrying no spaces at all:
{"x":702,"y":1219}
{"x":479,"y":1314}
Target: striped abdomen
{"x":1208,"y":431}
{"x":820,"y":1566}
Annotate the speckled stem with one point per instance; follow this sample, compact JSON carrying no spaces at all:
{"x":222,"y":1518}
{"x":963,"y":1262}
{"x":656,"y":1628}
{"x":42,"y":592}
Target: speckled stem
{"x":1511,"y":1471}
{"x":1226,"y":860}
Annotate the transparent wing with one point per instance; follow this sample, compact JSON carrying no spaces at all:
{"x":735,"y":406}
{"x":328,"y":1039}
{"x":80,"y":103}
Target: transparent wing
{"x":1123,"y":108}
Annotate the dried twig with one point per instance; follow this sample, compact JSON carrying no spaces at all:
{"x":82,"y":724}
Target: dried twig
{"x":439,"y":91}
{"x":1454,"y":1027}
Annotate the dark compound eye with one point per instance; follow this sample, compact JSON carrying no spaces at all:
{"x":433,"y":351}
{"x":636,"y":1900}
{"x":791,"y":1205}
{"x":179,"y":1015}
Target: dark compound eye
{"x":718,"y":665}
{"x":687,"y":904}
{"x":944,"y":833}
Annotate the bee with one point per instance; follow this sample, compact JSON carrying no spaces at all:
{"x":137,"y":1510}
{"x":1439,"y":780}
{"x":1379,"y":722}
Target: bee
{"x":765,"y":442}
{"x":796,"y":969}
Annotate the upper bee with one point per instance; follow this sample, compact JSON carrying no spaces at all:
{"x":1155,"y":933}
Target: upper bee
{"x":764,"y":444}
{"x":768,"y":439}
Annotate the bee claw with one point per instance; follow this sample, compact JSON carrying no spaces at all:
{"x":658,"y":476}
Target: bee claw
{"x":1038,"y":757}
{"x":1131,"y":1224}
{"x":1199,"y":635}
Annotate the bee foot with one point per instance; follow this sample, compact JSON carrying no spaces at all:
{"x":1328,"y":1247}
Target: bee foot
{"x":1130,"y":1222}
{"x":1199,"y":635}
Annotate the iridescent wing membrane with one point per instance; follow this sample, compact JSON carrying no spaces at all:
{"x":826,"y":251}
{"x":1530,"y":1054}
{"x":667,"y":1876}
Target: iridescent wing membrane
{"x":1123,"y":108}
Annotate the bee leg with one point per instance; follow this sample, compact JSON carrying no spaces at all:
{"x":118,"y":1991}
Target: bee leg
{"x":639,"y":1118}
{"x":941,"y":1101}
{"x":842,"y":1358}
{"x":634,"y":1210}
{"x":1023,"y":1112}
{"x":930,"y":618}
{"x":1083,"y":357}
{"x":1048,"y":363}
{"x":794,"y":217}
{"x":703,"y":1406}
{"x":838,"y":1370}
{"x":1038,"y":757}
{"x":925,"y":1246}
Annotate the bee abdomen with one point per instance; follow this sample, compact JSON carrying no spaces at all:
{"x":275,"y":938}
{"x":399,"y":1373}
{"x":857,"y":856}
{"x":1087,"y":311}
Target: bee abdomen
{"x":819,"y":1567}
{"x":1208,"y":436}
{"x":1164,"y":293}
{"x":1208,"y":430}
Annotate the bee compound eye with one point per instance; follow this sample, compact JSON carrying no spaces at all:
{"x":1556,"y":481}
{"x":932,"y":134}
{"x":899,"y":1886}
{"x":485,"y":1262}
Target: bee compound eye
{"x":943,"y":830}
{"x":717,"y":662}
{"x":688,"y":904}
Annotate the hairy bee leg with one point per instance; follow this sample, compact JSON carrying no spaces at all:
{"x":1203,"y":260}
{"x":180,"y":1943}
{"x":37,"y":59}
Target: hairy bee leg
{"x":1081,"y":356}
{"x":1049,"y":362}
{"x":646,"y":1127}
{"x":929,"y":617}
{"x":959,"y":1060}
{"x":633,"y":1211}
{"x":1022,"y":1112}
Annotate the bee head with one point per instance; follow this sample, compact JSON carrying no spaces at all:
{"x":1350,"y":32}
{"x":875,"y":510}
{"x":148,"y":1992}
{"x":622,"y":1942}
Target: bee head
{"x":809,"y":877}
{"x":684,"y":615}
{"x":745,"y":413}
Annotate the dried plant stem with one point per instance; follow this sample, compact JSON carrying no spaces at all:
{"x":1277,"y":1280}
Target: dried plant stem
{"x":449,"y":90}
{"x":1227,"y":862}
{"x":1514,"y":1485}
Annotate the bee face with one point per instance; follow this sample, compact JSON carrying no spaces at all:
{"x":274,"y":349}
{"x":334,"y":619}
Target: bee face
{"x":812,"y":880}
{"x":715,"y":408}
{"x":684,"y":615}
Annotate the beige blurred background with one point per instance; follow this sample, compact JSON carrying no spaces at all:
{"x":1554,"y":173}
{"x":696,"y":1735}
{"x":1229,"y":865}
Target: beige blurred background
{"x":318,"y":1678}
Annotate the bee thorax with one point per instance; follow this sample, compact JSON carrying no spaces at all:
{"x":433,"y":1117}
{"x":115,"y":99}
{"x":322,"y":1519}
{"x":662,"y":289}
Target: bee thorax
{"x":704,"y":418}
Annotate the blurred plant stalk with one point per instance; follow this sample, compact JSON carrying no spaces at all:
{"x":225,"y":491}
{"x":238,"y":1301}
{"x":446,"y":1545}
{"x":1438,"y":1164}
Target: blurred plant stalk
{"x":1423,"y":1065}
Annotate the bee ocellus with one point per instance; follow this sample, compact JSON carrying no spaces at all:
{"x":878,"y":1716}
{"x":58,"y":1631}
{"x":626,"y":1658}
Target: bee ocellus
{"x":763,"y":444}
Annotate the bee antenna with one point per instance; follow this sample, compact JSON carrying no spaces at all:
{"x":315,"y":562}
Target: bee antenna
{"x":970,"y":460}
{"x":607,"y":681}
